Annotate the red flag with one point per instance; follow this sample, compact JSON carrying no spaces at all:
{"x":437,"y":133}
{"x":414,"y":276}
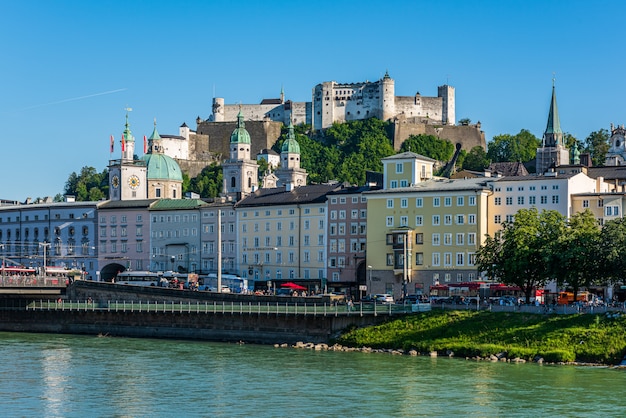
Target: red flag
{"x":145,"y":145}
{"x":123,"y":144}
{"x":112,"y":143}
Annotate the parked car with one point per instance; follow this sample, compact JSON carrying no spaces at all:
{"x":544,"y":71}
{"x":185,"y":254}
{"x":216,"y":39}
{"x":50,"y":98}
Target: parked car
{"x":384,"y":299}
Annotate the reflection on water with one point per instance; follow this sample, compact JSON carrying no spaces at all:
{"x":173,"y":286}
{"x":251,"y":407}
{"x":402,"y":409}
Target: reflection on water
{"x":75,"y":376}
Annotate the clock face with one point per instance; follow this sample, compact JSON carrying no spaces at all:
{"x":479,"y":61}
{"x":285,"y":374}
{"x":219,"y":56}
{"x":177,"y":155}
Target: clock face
{"x":115,"y":182}
{"x":133,"y":182}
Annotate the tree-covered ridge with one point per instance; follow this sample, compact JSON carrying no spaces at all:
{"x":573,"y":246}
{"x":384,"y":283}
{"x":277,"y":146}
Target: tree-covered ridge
{"x":345,"y":151}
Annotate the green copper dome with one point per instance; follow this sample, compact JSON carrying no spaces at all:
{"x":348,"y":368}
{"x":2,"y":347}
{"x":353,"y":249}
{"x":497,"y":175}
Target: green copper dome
{"x":291,"y":145}
{"x":240,"y":135}
{"x":162,"y":167}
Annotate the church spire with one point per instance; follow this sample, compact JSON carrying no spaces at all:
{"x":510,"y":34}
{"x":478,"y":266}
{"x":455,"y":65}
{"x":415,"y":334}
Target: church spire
{"x":553,"y":135}
{"x":128,"y":140}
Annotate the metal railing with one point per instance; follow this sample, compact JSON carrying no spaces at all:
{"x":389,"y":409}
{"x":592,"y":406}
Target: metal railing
{"x":240,"y":308}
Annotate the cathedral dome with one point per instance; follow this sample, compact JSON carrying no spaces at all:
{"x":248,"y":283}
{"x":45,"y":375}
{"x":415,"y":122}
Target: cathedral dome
{"x":162,"y":167}
{"x":240,"y":135}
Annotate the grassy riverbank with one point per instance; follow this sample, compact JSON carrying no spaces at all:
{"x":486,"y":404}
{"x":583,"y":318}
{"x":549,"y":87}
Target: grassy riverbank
{"x":555,"y":338}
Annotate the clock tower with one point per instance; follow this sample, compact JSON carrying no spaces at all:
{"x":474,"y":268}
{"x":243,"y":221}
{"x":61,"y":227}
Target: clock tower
{"x":127,"y":176}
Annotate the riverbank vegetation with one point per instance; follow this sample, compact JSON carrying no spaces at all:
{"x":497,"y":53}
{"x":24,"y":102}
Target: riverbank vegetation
{"x":554,"y":338}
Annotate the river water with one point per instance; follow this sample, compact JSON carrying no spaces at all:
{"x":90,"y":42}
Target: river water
{"x":77,"y":376}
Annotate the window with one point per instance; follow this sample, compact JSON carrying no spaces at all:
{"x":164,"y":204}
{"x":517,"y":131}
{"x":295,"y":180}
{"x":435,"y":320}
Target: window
{"x":389,"y":221}
{"x":447,"y":201}
{"x":436,"y":259}
{"x":460,"y":238}
{"x":419,"y":202}
{"x":460,"y":259}
{"x":471,"y":238}
{"x":497,"y":201}
{"x":471,"y":219}
{"x":447,"y":259}
{"x":447,"y":239}
{"x":436,"y":202}
{"x":555,"y":199}
{"x":585,"y":203}
{"x":460,"y":201}
{"x":389,"y":203}
{"x":544,"y":199}
{"x":419,"y":238}
{"x":404,"y":221}
{"x":419,"y":220}
{"x":394,"y":184}
{"x":471,"y":259}
{"x":460,"y":219}
{"x":436,"y":239}
{"x":399,"y":168}
{"x":509,"y":200}
{"x":419,"y":259}
{"x":555,"y":187}
{"x":390,"y":259}
{"x":509,"y":189}
{"x":532,"y":200}
{"x":520,"y":200}
{"x":404,"y":203}
{"x":497,"y":219}
{"x":447,"y":219}
{"x":472,"y":200}
{"x":435,"y":219}
{"x":510,"y":218}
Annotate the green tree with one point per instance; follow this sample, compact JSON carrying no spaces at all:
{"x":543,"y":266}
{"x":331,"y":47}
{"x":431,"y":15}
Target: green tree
{"x":464,"y":121}
{"x":523,"y":253}
{"x":513,"y":148}
{"x":597,"y":145}
{"x":476,"y":159}
{"x":577,"y":252}
{"x":209,"y":182}
{"x":613,"y":255}
{"x":429,"y":146}
{"x":88,"y":184}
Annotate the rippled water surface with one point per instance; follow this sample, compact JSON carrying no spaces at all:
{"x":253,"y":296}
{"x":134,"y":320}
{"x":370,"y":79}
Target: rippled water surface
{"x":78,"y":376}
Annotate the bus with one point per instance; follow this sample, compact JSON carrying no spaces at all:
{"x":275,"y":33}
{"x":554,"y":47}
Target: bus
{"x":567,"y":298}
{"x":17,"y":276}
{"x":60,"y":275}
{"x":141,"y":278}
{"x":230,"y":283}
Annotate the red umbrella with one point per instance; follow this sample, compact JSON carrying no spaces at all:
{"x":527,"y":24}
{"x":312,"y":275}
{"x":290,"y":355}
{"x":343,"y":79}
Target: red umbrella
{"x":293,"y":286}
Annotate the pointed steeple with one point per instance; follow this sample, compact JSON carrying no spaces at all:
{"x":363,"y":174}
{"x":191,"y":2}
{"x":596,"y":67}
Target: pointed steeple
{"x":553,"y":135}
{"x":154,"y":141}
{"x":128,"y":140}
{"x":291,"y":145}
{"x":240,"y":134}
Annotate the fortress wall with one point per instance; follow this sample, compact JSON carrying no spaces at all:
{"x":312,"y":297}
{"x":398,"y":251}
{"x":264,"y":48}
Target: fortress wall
{"x":468,"y":136}
{"x":263,"y":134}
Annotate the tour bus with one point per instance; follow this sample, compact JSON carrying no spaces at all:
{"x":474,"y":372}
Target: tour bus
{"x":230,"y":283}
{"x":17,"y":276}
{"x":141,"y":278}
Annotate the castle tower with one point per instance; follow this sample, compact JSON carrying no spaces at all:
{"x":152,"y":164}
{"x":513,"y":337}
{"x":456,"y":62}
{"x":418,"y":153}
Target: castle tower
{"x":448,"y":116}
{"x":218,"y":109}
{"x":127,"y":177}
{"x":387,"y":97}
{"x":290,"y":174}
{"x":553,"y":151}
{"x":241,"y":174}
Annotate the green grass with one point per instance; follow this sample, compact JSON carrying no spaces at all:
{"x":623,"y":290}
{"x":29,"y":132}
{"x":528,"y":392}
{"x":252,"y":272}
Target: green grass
{"x":556,"y":338}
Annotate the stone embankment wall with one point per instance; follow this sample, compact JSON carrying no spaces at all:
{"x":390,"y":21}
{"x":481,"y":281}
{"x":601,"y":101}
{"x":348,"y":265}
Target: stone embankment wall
{"x":262,"y":328}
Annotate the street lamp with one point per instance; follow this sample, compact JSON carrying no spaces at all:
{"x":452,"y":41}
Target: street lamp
{"x":44,"y":245}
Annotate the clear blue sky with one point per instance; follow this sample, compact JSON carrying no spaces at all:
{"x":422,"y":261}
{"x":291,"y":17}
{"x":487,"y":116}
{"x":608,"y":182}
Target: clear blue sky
{"x":69,"y":68}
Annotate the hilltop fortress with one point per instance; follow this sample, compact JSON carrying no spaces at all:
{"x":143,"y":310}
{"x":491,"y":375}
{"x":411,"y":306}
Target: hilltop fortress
{"x":330,"y":102}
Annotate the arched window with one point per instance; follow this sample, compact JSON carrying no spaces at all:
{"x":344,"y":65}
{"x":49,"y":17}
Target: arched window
{"x":249,"y":182}
{"x":233,"y":182}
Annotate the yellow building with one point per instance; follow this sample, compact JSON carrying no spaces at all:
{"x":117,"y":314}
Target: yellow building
{"x":436,"y":225}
